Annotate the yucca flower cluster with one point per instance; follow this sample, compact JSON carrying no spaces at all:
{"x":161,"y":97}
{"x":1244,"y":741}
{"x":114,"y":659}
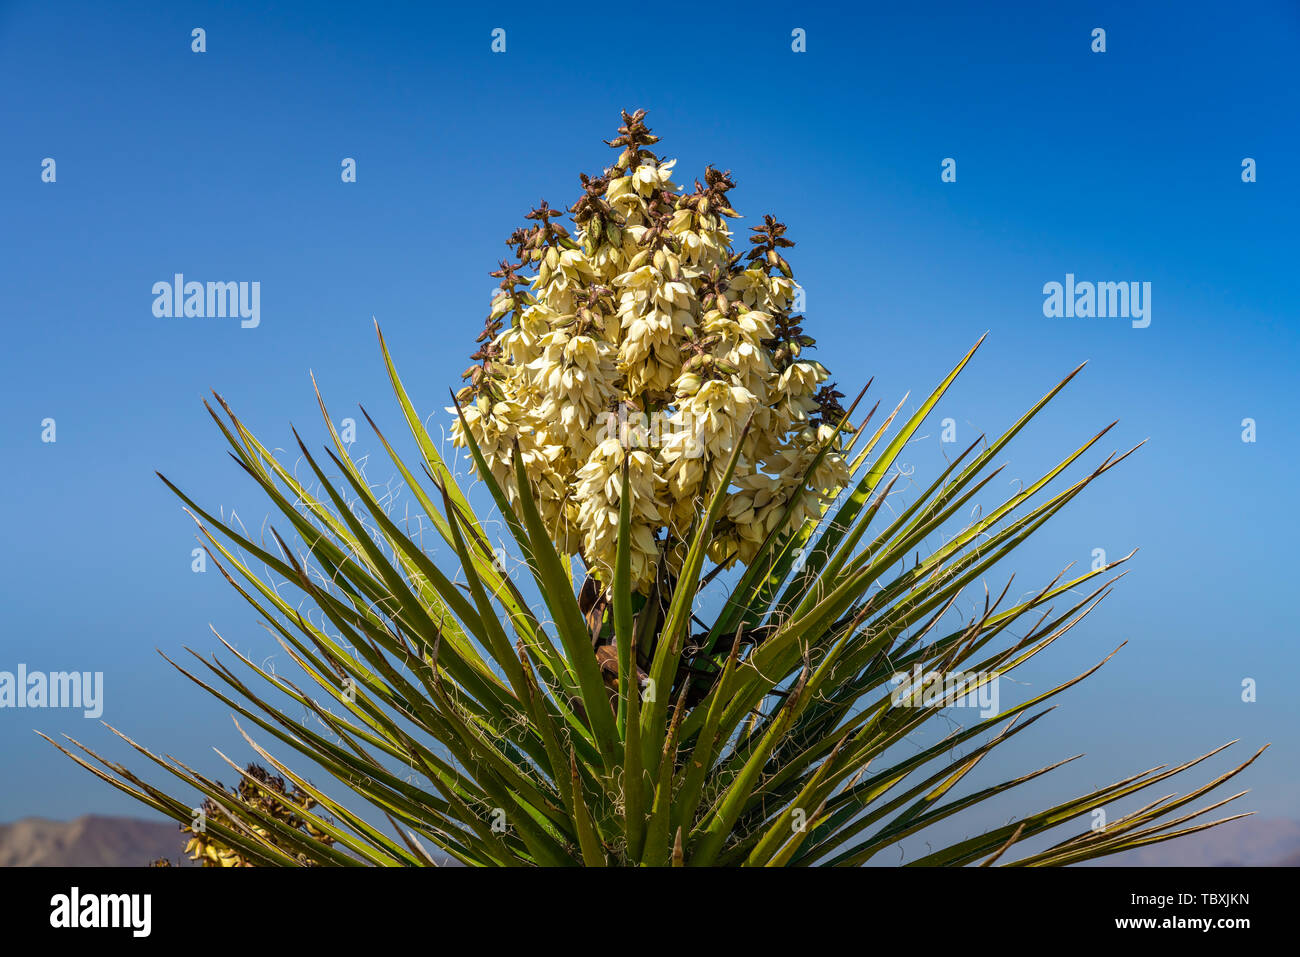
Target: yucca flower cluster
{"x":643,"y":312}
{"x":268,"y":792}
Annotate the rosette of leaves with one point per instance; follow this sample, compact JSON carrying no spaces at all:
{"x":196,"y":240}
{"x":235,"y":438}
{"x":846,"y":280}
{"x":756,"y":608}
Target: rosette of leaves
{"x":554,"y":714}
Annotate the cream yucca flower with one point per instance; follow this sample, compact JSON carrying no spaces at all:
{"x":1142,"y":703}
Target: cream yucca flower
{"x":644,"y":306}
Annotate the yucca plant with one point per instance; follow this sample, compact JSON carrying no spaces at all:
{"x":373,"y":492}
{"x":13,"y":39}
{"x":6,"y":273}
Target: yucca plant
{"x":560,"y":701}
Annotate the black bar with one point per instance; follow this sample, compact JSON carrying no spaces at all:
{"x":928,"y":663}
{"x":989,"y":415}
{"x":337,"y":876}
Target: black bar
{"x":215,"y":907}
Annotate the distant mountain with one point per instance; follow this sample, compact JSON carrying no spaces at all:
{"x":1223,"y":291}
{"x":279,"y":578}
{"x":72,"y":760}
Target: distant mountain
{"x":95,"y":841}
{"x":1247,"y":842}
{"x":89,"y":841}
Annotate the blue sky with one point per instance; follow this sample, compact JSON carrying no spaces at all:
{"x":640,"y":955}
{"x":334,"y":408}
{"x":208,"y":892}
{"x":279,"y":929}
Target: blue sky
{"x":1122,"y":166}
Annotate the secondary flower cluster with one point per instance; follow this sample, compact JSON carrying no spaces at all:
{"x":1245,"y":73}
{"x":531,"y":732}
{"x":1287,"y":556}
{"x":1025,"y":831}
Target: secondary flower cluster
{"x":264,"y":792}
{"x":645,"y":307}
